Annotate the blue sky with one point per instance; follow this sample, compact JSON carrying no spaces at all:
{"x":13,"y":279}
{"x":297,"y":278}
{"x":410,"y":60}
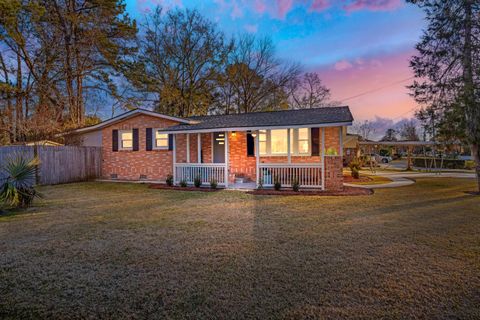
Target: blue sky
{"x":355,"y":45}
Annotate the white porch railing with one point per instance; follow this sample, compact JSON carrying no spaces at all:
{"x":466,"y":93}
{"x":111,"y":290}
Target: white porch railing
{"x":205,"y":171}
{"x":308,"y":174}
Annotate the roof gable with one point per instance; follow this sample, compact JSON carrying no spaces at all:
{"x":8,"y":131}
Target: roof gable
{"x":130,"y":114}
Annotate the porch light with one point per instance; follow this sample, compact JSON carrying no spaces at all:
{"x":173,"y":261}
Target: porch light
{"x":234,"y":133}
{"x":254,"y":134}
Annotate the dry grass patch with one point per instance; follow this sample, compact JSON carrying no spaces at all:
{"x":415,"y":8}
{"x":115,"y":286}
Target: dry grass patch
{"x":110,"y":250}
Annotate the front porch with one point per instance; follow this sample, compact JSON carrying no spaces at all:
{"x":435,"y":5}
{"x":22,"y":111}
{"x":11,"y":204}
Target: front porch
{"x":233,"y":159}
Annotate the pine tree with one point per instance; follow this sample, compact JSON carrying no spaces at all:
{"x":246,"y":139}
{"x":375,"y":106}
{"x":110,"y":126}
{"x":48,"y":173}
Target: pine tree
{"x":447,"y":66}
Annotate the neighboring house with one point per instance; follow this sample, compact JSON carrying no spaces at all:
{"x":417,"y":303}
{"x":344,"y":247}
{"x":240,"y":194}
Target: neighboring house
{"x":257,"y":147}
{"x":351,"y":149}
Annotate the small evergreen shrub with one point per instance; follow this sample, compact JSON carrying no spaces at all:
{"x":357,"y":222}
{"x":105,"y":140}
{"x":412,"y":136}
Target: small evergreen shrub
{"x":169,"y":180}
{"x":331,"y":152}
{"x":183,"y":183}
{"x":354,"y":166}
{"x":469,"y":164}
{"x":276,"y":184}
{"x":260,"y":183}
{"x":295,"y":185}
{"x":213,"y":184}
{"x":197,"y":182}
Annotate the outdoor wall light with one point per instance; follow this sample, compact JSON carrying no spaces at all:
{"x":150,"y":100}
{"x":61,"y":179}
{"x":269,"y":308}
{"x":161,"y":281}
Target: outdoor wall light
{"x":234,"y":133}
{"x":254,"y":134}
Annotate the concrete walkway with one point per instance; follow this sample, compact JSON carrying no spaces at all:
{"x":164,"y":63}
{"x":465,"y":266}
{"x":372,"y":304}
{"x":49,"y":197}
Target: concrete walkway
{"x":401,"y":179}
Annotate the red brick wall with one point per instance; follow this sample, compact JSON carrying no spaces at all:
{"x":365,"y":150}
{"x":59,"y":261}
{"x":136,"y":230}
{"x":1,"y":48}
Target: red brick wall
{"x":332,"y":139}
{"x":129,"y":165}
{"x":240,"y":163}
{"x":181,"y":147}
{"x":333,"y":173}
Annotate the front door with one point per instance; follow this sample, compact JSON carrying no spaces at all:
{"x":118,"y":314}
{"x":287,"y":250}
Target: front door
{"x":219,"y":147}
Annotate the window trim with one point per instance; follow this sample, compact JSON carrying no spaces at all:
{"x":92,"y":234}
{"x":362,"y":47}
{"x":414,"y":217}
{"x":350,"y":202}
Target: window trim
{"x":154,"y":140}
{"x":294,"y":143}
{"x":120,"y":140}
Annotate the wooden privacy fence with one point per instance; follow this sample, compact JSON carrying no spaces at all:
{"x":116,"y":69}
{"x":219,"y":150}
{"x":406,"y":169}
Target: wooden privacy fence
{"x":59,"y":164}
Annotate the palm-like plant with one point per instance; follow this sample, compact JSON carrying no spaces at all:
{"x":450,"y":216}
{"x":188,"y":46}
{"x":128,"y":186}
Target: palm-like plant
{"x":17,"y":188}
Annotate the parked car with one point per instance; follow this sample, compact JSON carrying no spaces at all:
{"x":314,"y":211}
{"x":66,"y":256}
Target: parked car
{"x":380,"y":159}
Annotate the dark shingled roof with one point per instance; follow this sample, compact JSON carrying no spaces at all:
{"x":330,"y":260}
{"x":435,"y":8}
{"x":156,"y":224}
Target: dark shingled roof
{"x":268,"y":119}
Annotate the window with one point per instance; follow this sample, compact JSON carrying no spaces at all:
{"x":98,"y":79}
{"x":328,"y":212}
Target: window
{"x":303,"y":141}
{"x":262,"y":141}
{"x":278,"y":141}
{"x":161,"y":140}
{"x":275,"y":142}
{"x":126,"y":140}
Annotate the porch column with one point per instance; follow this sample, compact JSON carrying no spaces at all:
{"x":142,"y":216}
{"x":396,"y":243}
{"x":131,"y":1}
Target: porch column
{"x":340,"y":151}
{"x":323,"y":159}
{"x":226,"y":159}
{"x":257,"y":158}
{"x":174,"y":149}
{"x":289,"y":156}
{"x":199,"y":148}
{"x":188,"y":147}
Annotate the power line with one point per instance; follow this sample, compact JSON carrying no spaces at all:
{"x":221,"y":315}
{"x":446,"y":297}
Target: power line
{"x":376,"y":89}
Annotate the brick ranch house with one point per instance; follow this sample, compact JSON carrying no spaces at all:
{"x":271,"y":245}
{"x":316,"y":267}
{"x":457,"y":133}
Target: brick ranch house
{"x":237,"y":150}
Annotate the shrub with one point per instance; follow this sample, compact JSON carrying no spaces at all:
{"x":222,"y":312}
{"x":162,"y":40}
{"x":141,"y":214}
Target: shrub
{"x":276,"y":184}
{"x":260,"y":182}
{"x":213,"y":184}
{"x":197,"y":182}
{"x":295,"y":185}
{"x":354,"y":166}
{"x":469,"y":164}
{"x":183,"y":183}
{"x":169,"y":180}
{"x":17,"y":189}
{"x":331,"y":152}
{"x":355,"y":173}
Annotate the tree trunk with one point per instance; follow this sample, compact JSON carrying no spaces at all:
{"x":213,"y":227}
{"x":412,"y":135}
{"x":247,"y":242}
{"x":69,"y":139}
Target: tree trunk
{"x":472,"y":114}
{"x":476,"y":156}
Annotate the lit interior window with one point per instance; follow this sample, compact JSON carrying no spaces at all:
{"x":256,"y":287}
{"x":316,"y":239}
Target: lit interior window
{"x":127,"y":139}
{"x":161,"y":140}
{"x":279,"y":141}
{"x":303,"y":141}
{"x":262,"y":141}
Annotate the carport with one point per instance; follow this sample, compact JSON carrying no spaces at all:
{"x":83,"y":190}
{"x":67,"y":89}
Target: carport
{"x":369,"y":147}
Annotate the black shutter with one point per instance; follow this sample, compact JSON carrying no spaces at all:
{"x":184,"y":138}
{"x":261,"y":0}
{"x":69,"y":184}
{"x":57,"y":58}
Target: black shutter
{"x":135,"y":139}
{"x":148,"y":139}
{"x":250,"y":145}
{"x":170,"y":142}
{"x":315,"y":133}
{"x":114,"y":140}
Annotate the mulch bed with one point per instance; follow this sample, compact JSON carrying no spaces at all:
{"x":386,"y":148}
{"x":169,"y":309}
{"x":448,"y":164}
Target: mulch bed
{"x":165,"y":187}
{"x":347,"y":191}
{"x":350,"y":179}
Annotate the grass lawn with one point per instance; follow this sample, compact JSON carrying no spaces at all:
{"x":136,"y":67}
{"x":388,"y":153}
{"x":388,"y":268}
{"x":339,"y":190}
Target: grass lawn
{"x":111,"y":250}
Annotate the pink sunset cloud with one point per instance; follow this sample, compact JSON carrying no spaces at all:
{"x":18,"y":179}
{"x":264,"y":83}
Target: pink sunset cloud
{"x":375,"y":5}
{"x":348,"y":78}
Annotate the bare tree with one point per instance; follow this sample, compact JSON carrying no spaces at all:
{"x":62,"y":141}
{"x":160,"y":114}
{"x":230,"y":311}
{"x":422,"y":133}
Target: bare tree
{"x":309,"y":92}
{"x":258,"y":78}
{"x":365,"y":129}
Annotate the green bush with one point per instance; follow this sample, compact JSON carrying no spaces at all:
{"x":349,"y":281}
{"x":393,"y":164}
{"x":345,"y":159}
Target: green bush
{"x":260,"y":183}
{"x":169,"y":180}
{"x":355,"y":167}
{"x":183,"y":183}
{"x":17,"y":189}
{"x":331,"y":152}
{"x":213,"y":184}
{"x":295,"y":185}
{"x":276,"y":184}
{"x":469,"y":165}
{"x":197,"y":182}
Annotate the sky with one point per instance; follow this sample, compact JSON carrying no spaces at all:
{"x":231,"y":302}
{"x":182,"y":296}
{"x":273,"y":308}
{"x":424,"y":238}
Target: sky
{"x":360,"y":48}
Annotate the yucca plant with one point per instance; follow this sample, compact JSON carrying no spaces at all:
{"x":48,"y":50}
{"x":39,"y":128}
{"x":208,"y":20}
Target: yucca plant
{"x":17,"y":188}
